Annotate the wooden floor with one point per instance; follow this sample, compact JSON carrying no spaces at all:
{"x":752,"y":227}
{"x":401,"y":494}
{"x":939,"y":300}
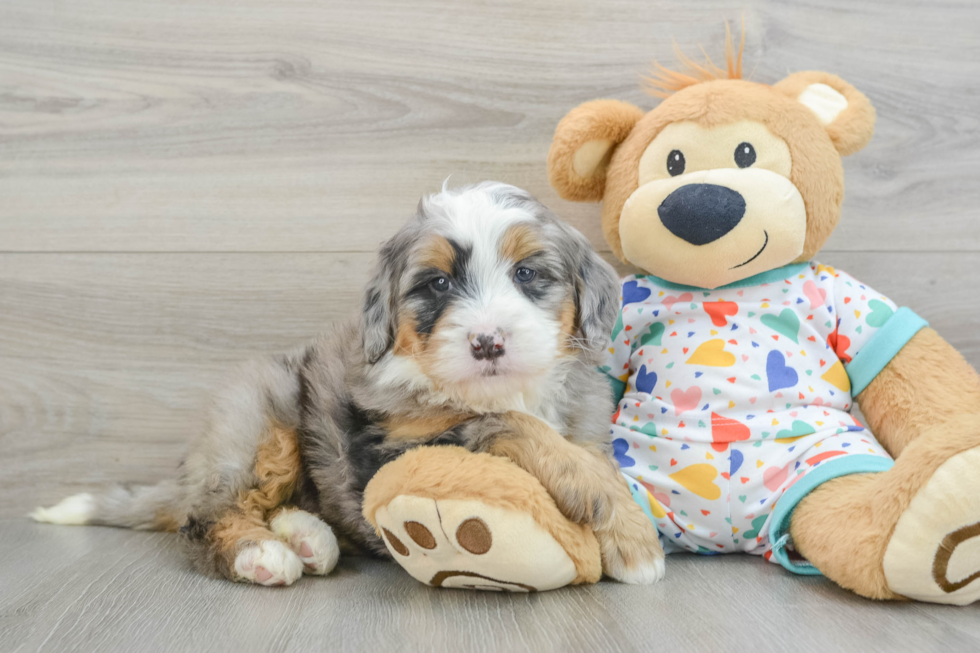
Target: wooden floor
{"x":187,"y":184}
{"x":102,"y":589}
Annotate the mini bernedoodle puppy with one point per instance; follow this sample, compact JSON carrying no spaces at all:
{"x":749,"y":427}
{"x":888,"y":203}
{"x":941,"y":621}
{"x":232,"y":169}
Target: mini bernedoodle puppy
{"x":483,"y":305}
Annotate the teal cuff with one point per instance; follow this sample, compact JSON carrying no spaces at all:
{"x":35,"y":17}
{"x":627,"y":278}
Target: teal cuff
{"x":826,"y":471}
{"x":883,"y":347}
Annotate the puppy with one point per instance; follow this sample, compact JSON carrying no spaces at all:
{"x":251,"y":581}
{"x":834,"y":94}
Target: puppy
{"x":482,"y":310}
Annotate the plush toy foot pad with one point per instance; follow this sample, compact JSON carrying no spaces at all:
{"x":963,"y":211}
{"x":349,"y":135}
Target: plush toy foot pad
{"x":453,"y":518}
{"x":934,"y":552}
{"x":468,"y":544}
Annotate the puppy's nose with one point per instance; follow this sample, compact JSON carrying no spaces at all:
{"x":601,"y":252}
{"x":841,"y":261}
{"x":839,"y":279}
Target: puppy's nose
{"x":487,"y":346}
{"x":702,"y":213}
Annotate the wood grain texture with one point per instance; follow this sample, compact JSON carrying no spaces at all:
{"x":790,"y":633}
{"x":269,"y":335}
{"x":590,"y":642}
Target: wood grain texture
{"x":111,"y":590}
{"x":184,"y":185}
{"x":245,"y":125}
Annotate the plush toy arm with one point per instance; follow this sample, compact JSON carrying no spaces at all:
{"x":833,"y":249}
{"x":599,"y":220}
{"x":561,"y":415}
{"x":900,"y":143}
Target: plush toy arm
{"x":925,"y":385}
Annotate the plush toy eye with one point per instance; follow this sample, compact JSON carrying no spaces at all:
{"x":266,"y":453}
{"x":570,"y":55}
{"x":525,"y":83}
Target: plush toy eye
{"x":675,"y":163}
{"x":744,"y":155}
{"x":440,"y":284}
{"x":523,"y":275}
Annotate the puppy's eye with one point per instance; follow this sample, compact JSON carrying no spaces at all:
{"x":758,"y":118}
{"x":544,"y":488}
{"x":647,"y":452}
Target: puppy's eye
{"x":744,"y":155}
{"x":675,"y":163}
{"x":440,"y":284}
{"x":523,"y":275}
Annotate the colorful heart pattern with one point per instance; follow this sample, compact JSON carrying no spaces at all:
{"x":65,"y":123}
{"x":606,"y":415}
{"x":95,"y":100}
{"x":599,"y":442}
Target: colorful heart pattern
{"x":712,"y":354}
{"x":800,"y":429}
{"x":720,"y":311}
{"x":733,"y":395}
{"x":779,"y":374}
{"x":686,"y":400}
{"x":787,"y":323}
{"x":725,"y":430}
{"x":653,"y":336}
{"x":699,"y":479}
{"x":645,"y":381}
{"x":620,"y":447}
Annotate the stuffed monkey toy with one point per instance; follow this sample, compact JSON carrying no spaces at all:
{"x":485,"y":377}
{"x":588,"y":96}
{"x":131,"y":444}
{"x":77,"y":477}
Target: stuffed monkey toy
{"x":737,"y":357}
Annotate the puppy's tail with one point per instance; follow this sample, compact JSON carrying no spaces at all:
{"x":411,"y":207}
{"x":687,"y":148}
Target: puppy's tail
{"x":141,"y":507}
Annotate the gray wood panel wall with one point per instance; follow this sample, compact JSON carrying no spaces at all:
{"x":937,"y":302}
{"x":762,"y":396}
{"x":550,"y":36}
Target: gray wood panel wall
{"x":187,"y":184}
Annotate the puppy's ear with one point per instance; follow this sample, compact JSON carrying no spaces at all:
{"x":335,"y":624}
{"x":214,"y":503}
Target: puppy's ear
{"x":378,"y":319}
{"x":596,"y":299}
{"x":583,"y":143}
{"x":845,"y":112}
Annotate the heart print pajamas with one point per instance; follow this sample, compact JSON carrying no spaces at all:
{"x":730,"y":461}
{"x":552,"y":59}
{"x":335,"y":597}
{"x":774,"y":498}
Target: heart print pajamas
{"x":734,"y":403}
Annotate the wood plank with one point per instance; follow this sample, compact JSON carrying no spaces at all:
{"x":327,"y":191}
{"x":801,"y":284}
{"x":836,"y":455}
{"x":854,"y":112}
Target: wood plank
{"x":112,"y":590}
{"x":243,"y":125}
{"x":101,"y":353}
{"x":106,"y":360}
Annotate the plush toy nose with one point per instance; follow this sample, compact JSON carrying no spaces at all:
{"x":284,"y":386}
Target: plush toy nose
{"x":701,"y":213}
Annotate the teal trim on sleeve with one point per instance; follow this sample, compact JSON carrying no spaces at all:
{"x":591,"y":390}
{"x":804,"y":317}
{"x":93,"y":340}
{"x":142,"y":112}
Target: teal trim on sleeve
{"x":617,"y":386}
{"x":883,"y":347}
{"x":826,"y":471}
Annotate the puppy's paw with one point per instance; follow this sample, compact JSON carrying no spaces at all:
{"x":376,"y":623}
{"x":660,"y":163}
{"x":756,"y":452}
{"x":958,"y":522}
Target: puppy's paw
{"x":630,"y":545}
{"x":310,"y":538}
{"x":269,"y":563}
{"x":585,"y":491}
{"x":645,"y":572}
{"x":584,"y":500}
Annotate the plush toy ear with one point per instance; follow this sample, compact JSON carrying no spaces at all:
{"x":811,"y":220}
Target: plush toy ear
{"x":845,"y":112}
{"x":584,"y":141}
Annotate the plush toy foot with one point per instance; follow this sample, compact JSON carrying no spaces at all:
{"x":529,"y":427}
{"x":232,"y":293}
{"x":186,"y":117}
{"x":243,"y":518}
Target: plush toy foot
{"x":934,"y":553}
{"x":457,"y":519}
{"x":911,"y":532}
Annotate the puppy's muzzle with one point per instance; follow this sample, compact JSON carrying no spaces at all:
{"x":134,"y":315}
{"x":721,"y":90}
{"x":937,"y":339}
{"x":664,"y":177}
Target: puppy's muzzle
{"x":487,"y":346}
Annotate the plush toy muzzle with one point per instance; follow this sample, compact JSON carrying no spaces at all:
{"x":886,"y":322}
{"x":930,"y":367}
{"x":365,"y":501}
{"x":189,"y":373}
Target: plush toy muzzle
{"x":713,"y":227}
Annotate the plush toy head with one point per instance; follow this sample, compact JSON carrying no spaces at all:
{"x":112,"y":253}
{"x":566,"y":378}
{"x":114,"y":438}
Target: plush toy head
{"x":725,"y":179}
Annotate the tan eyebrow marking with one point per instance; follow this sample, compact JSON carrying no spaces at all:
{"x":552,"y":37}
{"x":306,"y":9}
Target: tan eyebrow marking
{"x":519,"y":242}
{"x":438,"y":253}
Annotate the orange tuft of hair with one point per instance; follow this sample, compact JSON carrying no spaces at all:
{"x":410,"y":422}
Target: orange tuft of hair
{"x":664,"y":82}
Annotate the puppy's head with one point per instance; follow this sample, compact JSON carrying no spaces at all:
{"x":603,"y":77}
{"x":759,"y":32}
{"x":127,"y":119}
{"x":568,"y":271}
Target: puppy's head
{"x":485,"y":290}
